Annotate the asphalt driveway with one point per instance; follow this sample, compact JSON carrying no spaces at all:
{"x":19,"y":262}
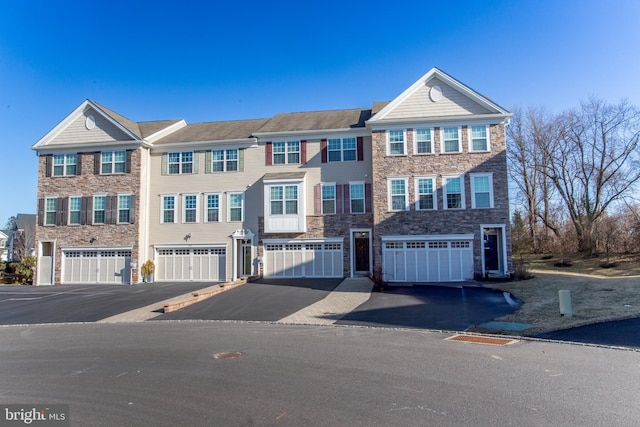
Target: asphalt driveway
{"x":83,"y":303}
{"x":266,"y":300}
{"x":451,"y":307}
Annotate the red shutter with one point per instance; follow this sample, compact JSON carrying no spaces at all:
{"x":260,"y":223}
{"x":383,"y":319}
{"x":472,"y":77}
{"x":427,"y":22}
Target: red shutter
{"x":360,"y":148}
{"x":368,"y":203}
{"x":303,"y":152}
{"x":339,"y":199}
{"x":347,"y":199}
{"x":317,"y":199}
{"x":323,"y":150}
{"x":268,"y":148}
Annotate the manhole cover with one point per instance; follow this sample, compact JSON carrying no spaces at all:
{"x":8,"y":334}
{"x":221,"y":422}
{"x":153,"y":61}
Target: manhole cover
{"x":481,"y":340}
{"x":227,"y":355}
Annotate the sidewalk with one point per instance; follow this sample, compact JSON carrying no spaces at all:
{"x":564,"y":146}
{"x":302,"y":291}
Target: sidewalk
{"x":348,"y":295}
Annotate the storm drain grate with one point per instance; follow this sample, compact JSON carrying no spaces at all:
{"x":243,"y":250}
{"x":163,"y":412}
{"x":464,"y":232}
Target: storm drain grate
{"x":227,"y":355}
{"x":476,"y":339}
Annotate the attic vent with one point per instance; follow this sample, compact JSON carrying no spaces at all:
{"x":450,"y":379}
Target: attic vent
{"x":90,"y":123}
{"x":435,"y":93}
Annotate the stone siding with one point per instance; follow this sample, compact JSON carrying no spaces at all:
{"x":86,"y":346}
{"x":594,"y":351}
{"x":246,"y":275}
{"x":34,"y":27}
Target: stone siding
{"x":89,"y":184}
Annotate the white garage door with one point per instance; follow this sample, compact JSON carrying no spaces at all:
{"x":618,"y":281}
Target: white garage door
{"x":96,"y":266}
{"x":428,"y":261}
{"x":303,"y":259}
{"x":191,"y":264}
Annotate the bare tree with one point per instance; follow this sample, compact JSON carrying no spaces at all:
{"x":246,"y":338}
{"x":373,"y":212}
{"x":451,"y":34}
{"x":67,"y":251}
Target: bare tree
{"x":594,"y":162}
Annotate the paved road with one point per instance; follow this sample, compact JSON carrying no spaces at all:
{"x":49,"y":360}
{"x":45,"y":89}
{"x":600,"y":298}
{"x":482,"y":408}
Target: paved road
{"x":166,"y":374}
{"x":263,"y":300}
{"x":82,"y":303}
{"x":624,"y":333}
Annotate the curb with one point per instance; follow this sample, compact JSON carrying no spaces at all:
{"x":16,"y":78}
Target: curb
{"x":202,"y":295}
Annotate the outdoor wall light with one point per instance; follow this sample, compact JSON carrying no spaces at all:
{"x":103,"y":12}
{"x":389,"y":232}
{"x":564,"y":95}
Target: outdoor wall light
{"x":187,"y":237}
{"x":93,"y":239}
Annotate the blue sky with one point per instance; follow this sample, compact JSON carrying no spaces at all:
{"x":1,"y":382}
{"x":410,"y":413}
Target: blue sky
{"x":208,"y":61}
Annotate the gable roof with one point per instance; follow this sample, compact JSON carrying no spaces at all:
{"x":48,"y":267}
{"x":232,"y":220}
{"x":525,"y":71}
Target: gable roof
{"x":214,"y":131}
{"x":316,"y":120}
{"x":483,"y":104}
{"x":24,"y":221}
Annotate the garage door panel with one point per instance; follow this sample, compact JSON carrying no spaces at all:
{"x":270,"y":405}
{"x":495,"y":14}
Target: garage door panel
{"x":96,"y":266}
{"x":191,"y":264}
{"x":303,"y":260}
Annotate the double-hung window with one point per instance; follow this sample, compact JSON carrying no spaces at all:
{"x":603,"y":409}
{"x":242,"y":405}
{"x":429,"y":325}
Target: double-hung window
{"x":286,"y":152}
{"x":328,"y":199}
{"x":451,"y":140}
{"x":180,"y":163}
{"x":479,"y":137}
{"x":398,"y":195}
{"x":482,"y":190}
{"x":356,"y":194}
{"x":51,"y":204}
{"x":190,"y":208}
{"x":213,"y":207}
{"x":99,"y":205}
{"x":284,"y":199}
{"x":397,"y":143}
{"x":64,"y":164}
{"x":124,"y":208}
{"x":113,"y":162}
{"x":425,"y":193}
{"x":224,"y":160}
{"x":453,"y":192}
{"x":75,"y":204}
{"x":342,"y":149}
{"x":168,"y":209}
{"x":235,"y":207}
{"x":424,"y":141}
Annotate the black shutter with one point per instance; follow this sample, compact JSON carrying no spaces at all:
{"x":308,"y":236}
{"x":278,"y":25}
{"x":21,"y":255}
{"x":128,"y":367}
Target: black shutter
{"x":128,"y":161}
{"x":79,"y":164}
{"x":96,"y":163}
{"x":83,"y":211}
{"x":48,"y":164}
{"x":107,"y":210}
{"x":40,"y":211}
{"x":132,"y":209}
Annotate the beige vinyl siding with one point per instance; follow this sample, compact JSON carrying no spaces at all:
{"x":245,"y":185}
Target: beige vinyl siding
{"x":104,"y":131}
{"x":453,"y":103}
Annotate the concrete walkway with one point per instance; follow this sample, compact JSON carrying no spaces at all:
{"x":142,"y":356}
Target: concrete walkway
{"x":341,"y":301}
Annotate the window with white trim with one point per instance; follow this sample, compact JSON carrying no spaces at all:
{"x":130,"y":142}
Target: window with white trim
{"x":50,"y":206}
{"x":65,"y":164}
{"x":124,"y":208}
{"x":189,"y":208}
{"x":99,"y":205}
{"x":397,"y":143}
{"x":113,"y":162}
{"x":168,"y":214}
{"x":180,"y":163}
{"x":75,"y":205}
{"x":482,"y":190}
{"x":285,"y":153}
{"x":424,"y":141}
{"x":451,"y":140}
{"x":479,"y":137}
{"x":224,"y":160}
{"x":342,"y":149}
{"x":328,"y":199}
{"x":213,"y":208}
{"x":453,"y":192}
{"x":235,"y":207}
{"x":425,"y":193}
{"x":356,"y":194}
{"x":283,"y":199}
{"x":398,"y":194}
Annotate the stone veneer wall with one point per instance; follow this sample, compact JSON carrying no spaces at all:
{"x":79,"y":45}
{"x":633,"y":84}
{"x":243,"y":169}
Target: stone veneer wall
{"x":465,"y":221}
{"x":88,"y":184}
{"x":323,"y":226}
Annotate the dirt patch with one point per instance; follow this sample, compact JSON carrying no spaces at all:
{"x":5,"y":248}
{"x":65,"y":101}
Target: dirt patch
{"x":594,"y":299}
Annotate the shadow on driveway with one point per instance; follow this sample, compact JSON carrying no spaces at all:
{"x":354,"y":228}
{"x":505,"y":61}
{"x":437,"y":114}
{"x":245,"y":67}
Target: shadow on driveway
{"x":432,"y":307}
{"x":624,"y":333}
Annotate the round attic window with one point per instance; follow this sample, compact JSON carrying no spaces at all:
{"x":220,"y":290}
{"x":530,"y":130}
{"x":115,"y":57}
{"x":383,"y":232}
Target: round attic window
{"x":90,"y":123}
{"x":435,"y":93}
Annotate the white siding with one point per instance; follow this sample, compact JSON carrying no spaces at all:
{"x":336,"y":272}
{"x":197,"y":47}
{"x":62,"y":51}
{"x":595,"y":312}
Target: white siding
{"x":77,"y":132}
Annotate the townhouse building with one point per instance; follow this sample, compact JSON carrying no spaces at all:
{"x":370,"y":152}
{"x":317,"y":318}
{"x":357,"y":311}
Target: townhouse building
{"x":415,"y":187}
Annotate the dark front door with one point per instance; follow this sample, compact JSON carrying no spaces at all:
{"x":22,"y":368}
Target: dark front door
{"x":491,"y":256}
{"x":361,"y":242}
